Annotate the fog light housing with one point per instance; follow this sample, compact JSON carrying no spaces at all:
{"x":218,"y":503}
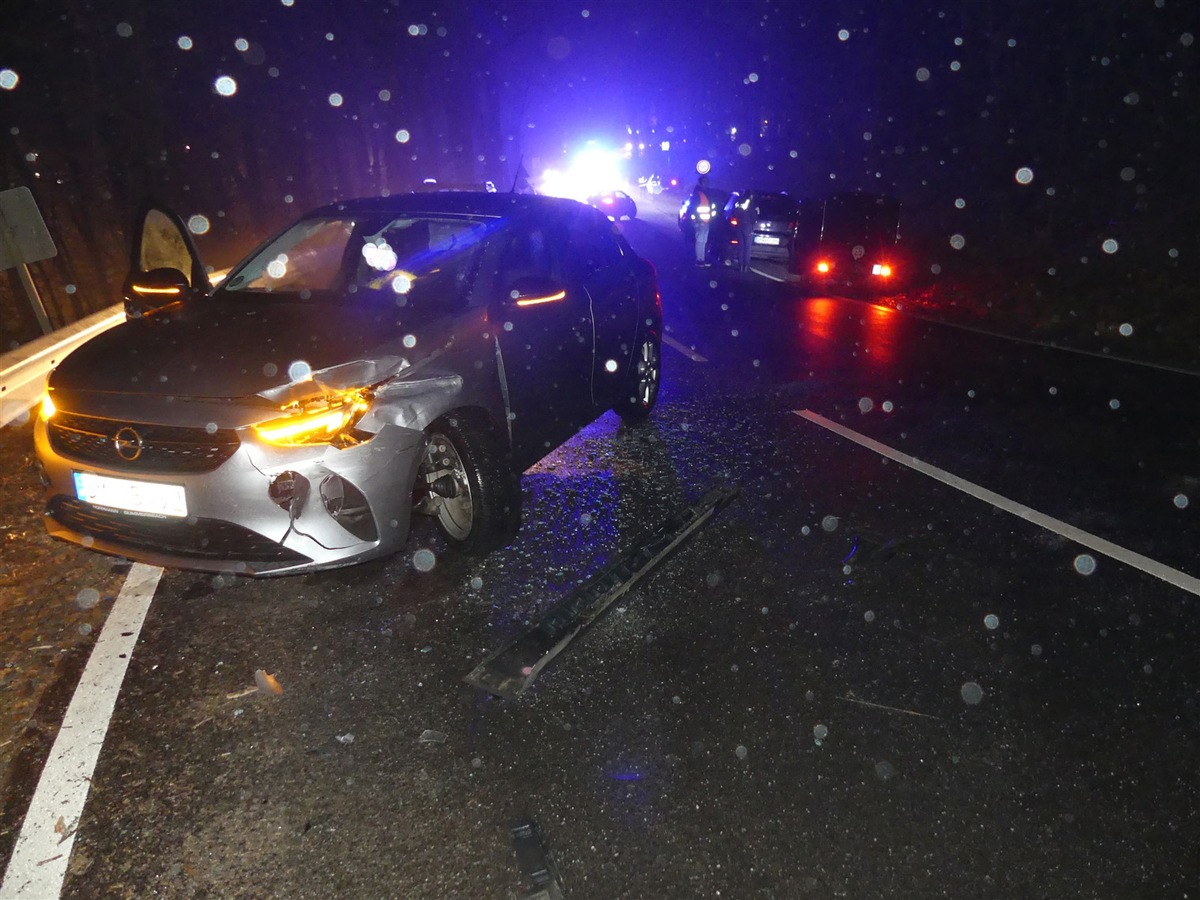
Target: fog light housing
{"x":288,"y":491}
{"x":348,"y":506}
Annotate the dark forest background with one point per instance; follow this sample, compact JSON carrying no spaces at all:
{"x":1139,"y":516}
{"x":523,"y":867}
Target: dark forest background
{"x":937,"y":104}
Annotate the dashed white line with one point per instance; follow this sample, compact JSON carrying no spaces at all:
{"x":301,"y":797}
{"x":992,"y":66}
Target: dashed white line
{"x":683,"y":348}
{"x":1145,"y":564}
{"x":39,"y":859}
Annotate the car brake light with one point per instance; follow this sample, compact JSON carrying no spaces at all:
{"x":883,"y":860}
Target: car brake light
{"x":883,"y":270}
{"x":824,"y":267}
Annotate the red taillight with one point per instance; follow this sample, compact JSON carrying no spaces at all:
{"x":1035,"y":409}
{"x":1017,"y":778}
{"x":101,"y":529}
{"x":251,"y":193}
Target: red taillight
{"x":733,"y":221}
{"x":824,"y":267}
{"x":881,"y":270}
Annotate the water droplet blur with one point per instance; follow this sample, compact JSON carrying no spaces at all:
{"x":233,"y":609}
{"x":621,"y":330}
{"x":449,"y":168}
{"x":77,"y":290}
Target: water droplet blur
{"x":957,"y":241}
{"x":884,"y":770}
{"x":922,"y":74}
{"x":1036,"y":649}
{"x":124,"y":29}
{"x":1181,"y":501}
{"x":424,"y":560}
{"x":741,"y":752}
{"x":972,"y":693}
{"x":1110,"y":246}
{"x":820,"y":732}
{"x":1126,"y":329}
{"x":869,"y":616}
{"x":9,"y":79}
{"x":865,"y":404}
{"x":87,"y":598}
{"x":991,"y":621}
{"x":1114,"y":403}
{"x":1024,"y":175}
{"x":476,"y":583}
{"x":1085,"y":564}
{"x":225,"y":86}
{"x":830,"y":523}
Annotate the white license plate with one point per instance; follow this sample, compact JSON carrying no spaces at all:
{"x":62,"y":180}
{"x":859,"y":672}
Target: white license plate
{"x":766,"y":239}
{"x":132,"y":496}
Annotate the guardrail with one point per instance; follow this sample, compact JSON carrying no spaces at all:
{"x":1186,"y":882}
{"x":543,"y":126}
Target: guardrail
{"x":23,"y":371}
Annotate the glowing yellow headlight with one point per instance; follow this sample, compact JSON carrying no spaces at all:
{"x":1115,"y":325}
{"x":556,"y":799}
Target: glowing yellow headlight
{"x":48,"y":408}
{"x":314,"y":422}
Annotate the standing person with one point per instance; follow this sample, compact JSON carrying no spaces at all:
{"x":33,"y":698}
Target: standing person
{"x":701,"y":207}
{"x":747,"y":216}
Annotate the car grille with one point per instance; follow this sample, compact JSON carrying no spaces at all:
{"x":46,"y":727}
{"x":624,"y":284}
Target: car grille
{"x":164,"y":448}
{"x":195,"y":538}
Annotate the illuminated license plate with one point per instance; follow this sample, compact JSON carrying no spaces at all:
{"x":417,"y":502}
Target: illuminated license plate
{"x":766,"y":239}
{"x":132,"y":496}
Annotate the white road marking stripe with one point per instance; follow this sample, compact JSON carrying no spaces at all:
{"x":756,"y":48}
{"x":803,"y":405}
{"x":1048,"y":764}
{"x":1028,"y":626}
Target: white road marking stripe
{"x":1171,"y":576}
{"x":39,"y":860}
{"x":682,"y":348}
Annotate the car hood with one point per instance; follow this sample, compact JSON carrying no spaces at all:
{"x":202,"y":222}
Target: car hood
{"x":217,"y":350}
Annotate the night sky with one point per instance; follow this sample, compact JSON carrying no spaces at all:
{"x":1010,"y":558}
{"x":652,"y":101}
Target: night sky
{"x":1051,"y":140}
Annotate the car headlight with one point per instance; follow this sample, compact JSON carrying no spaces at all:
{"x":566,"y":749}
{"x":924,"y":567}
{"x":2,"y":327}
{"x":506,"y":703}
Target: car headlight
{"x":321,"y":420}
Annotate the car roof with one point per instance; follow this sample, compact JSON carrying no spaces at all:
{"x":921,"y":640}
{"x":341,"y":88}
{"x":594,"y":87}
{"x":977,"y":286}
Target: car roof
{"x":464,"y":203}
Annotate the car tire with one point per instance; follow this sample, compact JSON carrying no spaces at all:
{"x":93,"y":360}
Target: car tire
{"x":479,"y":508}
{"x":644,"y":379}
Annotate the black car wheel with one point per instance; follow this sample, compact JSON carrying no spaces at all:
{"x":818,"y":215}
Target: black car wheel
{"x":467,"y":486}
{"x":641,"y":391}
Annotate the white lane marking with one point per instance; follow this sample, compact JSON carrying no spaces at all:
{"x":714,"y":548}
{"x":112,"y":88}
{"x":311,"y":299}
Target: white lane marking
{"x":39,"y":859}
{"x":1150,"y":566}
{"x":683,"y":348}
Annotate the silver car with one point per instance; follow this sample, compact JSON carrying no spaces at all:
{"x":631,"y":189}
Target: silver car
{"x":377,"y":358}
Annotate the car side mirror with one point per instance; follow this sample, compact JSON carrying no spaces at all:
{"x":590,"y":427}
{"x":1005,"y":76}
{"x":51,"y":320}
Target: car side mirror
{"x":147,"y":292}
{"x":534,"y":290}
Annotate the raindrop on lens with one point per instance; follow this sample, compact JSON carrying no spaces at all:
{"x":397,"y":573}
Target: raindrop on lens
{"x":865,"y":405}
{"x":1114,"y":403}
{"x":1024,"y":175}
{"x":410,"y":341}
{"x":87,"y":598}
{"x":830,"y":523}
{"x":1036,"y":649}
{"x":820,"y":732}
{"x":991,"y":621}
{"x":424,"y":560}
{"x":884,"y":770}
{"x":1180,"y":501}
{"x":1085,"y":564}
{"x":972,"y":693}
{"x":1126,"y":329}
{"x":741,"y":752}
{"x":476,"y":583}
{"x":869,"y":616}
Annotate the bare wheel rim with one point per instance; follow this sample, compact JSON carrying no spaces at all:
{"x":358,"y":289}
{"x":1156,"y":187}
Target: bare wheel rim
{"x":648,"y":369}
{"x":455,"y":514}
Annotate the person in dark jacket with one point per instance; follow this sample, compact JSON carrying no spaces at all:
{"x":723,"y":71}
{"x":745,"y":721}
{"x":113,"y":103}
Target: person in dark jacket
{"x":746,"y":215}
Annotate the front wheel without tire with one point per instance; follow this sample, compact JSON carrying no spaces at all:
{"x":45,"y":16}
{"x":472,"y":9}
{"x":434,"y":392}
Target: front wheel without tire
{"x":465,"y":483}
{"x":641,"y":391}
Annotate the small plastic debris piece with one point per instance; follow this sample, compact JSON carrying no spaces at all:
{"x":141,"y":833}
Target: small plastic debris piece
{"x":267,"y":684}
{"x":429,"y":736}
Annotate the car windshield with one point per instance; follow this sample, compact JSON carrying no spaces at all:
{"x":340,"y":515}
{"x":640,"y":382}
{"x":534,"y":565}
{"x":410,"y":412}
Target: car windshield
{"x":352,"y":260}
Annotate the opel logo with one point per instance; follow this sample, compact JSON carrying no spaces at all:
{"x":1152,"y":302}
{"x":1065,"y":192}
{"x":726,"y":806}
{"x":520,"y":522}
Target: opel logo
{"x":858,"y":251}
{"x":128,"y":444}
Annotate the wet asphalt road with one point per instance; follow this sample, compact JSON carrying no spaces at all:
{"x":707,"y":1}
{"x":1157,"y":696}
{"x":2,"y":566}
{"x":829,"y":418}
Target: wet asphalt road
{"x":856,"y":681}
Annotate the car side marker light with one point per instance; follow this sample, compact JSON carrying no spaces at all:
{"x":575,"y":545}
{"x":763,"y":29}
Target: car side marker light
{"x":549,"y":298}
{"x":153,"y":290}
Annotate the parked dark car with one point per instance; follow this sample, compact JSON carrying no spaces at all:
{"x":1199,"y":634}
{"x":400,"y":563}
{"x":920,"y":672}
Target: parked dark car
{"x":776,"y":217}
{"x":614,"y":204}
{"x":377,"y":358}
{"x":857,"y":245}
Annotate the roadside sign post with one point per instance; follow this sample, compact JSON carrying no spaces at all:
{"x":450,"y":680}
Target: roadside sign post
{"x":25,"y":239}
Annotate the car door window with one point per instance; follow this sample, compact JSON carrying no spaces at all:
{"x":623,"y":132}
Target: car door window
{"x":591,"y":246}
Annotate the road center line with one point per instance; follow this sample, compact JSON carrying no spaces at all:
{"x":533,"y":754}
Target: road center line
{"x":683,"y":348}
{"x":1172,"y":576}
{"x":43,"y":848}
